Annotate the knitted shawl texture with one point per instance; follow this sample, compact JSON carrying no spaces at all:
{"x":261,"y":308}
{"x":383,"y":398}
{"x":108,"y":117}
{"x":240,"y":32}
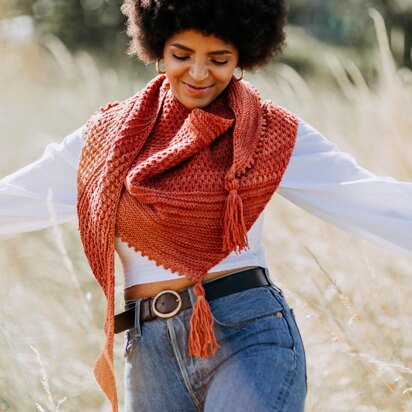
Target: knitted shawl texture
{"x":182,"y":187}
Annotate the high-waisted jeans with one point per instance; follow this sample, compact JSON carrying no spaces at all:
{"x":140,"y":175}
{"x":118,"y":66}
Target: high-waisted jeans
{"x":259,"y":367}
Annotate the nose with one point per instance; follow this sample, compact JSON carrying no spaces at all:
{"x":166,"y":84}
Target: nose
{"x":199,"y":71}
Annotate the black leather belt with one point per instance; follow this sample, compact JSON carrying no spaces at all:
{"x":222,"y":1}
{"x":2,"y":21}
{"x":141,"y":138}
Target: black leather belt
{"x":168,"y":303}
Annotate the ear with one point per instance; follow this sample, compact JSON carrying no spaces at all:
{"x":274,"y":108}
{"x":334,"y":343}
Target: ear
{"x":240,"y":73}
{"x":159,"y":69}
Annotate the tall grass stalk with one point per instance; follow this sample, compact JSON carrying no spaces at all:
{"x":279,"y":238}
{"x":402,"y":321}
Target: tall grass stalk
{"x":53,"y":405}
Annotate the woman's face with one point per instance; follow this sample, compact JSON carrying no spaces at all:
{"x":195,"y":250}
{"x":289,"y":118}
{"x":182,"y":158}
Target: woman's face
{"x":198,"y":67}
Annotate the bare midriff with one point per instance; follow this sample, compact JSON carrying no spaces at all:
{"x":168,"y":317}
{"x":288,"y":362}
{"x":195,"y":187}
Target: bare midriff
{"x":145,"y":290}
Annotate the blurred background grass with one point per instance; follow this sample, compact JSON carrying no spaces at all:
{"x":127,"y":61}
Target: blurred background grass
{"x":343,"y":72}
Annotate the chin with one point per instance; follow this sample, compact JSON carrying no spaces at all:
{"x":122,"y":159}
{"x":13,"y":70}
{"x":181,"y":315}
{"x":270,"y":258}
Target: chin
{"x":190,"y":104}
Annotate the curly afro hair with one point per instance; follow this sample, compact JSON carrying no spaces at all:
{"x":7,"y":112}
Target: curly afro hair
{"x":254,"y":27}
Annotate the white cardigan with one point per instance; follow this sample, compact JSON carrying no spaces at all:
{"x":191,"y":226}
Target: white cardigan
{"x":319,"y":178}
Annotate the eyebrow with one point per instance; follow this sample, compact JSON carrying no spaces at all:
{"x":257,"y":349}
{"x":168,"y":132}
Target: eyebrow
{"x":180,"y":46}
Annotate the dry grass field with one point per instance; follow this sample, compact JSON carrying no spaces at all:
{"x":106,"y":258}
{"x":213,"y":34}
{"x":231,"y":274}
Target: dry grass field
{"x":352,"y":299}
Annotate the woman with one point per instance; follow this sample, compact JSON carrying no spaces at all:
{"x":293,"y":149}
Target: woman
{"x":176,"y":179}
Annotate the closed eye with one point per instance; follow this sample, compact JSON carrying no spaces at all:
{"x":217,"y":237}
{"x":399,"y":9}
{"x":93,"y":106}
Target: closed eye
{"x":187,"y":57}
{"x":180,"y":57}
{"x":219,"y":62}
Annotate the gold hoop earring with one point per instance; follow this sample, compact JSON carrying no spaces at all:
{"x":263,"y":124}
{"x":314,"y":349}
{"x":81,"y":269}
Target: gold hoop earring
{"x":158,"y":69}
{"x":241,"y":74}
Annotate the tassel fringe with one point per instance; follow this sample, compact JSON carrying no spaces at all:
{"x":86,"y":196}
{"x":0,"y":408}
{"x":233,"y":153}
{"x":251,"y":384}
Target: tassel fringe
{"x":233,"y":224}
{"x":202,"y":340}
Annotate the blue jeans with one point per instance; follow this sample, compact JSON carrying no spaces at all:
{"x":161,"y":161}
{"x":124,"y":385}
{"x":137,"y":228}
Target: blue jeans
{"x":259,"y":367}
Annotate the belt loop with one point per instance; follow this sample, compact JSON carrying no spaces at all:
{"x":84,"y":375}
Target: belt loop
{"x":267,"y":276}
{"x":137,"y":328}
{"x":192,"y":295}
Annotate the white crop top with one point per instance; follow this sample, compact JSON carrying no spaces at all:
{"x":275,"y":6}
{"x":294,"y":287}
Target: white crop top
{"x":139,"y":269}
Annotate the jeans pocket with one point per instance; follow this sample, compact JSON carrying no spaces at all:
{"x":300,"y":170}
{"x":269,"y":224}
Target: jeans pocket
{"x":258,"y":312}
{"x":242,"y":308}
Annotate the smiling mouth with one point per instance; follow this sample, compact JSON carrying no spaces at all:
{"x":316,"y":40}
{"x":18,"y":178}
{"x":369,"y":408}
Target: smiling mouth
{"x":196,"y":92}
{"x":196,"y":88}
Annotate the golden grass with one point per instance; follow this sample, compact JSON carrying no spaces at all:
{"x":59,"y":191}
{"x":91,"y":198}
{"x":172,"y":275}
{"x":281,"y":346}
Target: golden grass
{"x":352,"y":299}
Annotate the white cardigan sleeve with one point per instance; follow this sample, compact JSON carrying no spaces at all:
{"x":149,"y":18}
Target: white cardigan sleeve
{"x":331,"y":185}
{"x":26,"y":195}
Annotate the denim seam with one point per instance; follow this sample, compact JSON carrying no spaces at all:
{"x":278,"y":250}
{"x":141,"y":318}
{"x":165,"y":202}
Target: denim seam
{"x":179,"y":359}
{"x":303,"y":348}
{"x":285,"y":317}
{"x":243,"y":323}
{"x":287,"y":311}
{"x":285,"y":390}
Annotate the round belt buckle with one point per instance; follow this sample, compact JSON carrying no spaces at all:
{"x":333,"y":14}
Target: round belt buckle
{"x":173,"y":312}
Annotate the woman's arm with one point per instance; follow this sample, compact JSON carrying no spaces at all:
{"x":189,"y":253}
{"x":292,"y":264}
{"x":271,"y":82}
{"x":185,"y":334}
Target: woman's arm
{"x":331,"y":185}
{"x":26,"y":194}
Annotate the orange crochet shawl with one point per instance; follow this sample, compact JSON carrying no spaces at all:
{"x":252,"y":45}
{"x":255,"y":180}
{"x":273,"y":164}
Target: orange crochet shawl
{"x":182,"y":187}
